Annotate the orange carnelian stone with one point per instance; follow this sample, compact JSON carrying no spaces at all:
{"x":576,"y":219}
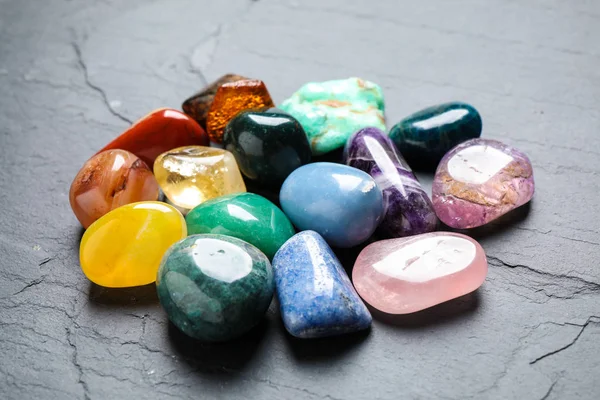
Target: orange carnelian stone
{"x":109,"y":180}
{"x":160,"y":131}
{"x":231,"y":98}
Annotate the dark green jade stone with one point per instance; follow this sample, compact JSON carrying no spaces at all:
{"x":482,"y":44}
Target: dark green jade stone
{"x":425,"y":136}
{"x":213,"y":287}
{"x":267,"y":144}
{"x":246,"y":216}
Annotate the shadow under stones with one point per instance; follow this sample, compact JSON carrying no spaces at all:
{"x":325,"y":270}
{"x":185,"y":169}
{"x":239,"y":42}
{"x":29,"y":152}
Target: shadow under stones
{"x":132,"y":296}
{"x":446,"y":312}
{"x":226,"y":358}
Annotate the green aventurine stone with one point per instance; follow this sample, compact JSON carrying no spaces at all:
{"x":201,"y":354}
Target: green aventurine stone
{"x":213,"y":287}
{"x":246,"y":216}
{"x":331,"y":111}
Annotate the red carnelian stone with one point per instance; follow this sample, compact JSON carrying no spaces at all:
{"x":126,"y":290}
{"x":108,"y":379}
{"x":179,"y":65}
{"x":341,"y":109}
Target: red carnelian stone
{"x":161,"y":130}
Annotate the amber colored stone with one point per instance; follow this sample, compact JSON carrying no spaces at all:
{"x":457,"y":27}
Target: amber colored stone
{"x":160,"y":131}
{"x":198,"y":105}
{"x":231,"y":98}
{"x":109,"y":180}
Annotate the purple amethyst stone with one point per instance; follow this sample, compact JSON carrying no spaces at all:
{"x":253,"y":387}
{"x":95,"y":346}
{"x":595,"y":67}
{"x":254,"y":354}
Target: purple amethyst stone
{"x":408,"y":210}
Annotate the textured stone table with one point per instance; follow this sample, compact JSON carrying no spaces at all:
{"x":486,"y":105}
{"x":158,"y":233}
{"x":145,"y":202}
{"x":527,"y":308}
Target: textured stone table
{"x":73,"y":74}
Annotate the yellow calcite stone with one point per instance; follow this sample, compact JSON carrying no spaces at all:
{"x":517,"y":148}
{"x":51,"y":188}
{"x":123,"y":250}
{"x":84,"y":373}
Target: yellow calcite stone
{"x":190,"y":175}
{"x":125,"y":246}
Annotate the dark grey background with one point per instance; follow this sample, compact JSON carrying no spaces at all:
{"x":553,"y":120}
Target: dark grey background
{"x":73,"y":74}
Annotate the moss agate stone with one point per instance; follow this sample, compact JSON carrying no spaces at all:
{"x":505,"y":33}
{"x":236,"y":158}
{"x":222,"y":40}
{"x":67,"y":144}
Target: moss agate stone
{"x":246,"y":216}
{"x":425,"y":136}
{"x":315,"y":295}
{"x":408,"y":210}
{"x":214,"y":287}
{"x":331,"y":111}
{"x":268,"y":145}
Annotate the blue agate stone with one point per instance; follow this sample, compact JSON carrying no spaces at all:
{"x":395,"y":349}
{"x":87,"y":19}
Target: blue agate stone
{"x":316,"y":296}
{"x":425,"y":136}
{"x":341,"y":203}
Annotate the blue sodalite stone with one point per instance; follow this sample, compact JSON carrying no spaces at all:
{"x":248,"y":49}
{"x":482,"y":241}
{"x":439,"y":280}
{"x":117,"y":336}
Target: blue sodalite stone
{"x":425,"y":136}
{"x":341,"y":203}
{"x":315,"y":294}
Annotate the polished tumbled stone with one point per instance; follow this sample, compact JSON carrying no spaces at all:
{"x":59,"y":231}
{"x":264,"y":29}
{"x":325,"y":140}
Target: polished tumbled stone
{"x":124,"y":247}
{"x":341,"y":203}
{"x":110,"y":180}
{"x":331,"y":111}
{"x":479,"y":181}
{"x":214,"y":287}
{"x":247,"y":216}
{"x":268,"y":145}
{"x":425,"y":136}
{"x":401,"y":276}
{"x":198,"y":105}
{"x":190,"y":175}
{"x":408,"y":210}
{"x":315,"y":295}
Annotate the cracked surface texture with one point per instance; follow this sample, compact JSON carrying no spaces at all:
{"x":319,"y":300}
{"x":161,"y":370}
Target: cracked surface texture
{"x":74,"y":74}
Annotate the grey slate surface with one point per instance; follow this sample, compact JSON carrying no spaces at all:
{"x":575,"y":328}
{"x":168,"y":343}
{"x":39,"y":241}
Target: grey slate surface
{"x":73,"y":74}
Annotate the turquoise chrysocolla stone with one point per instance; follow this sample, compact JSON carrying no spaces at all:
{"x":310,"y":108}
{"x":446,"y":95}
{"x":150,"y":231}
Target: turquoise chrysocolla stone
{"x":331,"y":111}
{"x":425,"y":136}
{"x":214,"y":287}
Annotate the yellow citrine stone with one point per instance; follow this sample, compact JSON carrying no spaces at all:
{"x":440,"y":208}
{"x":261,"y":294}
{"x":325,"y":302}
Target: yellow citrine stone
{"x":125,"y":246}
{"x":190,"y":175}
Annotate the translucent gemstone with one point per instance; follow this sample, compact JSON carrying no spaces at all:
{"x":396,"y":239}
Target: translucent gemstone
{"x":315,"y":295}
{"x":198,"y":105}
{"x":408,"y":210}
{"x":231,"y":98}
{"x":109,"y":180}
{"x":402,"y":276}
{"x":157,"y":132}
{"x":214,"y":287}
{"x":124,"y":248}
{"x":479,"y":181}
{"x":191,"y":175}
{"x":331,"y":111}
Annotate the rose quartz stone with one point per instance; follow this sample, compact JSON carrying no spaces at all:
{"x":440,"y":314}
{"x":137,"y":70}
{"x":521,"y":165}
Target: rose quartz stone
{"x":402,"y":276}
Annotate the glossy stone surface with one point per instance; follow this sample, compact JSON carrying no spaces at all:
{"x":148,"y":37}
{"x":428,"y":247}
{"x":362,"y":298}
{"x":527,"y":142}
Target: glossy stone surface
{"x":109,"y":180}
{"x":232,"y":98}
{"x":425,"y":136}
{"x":331,"y":111}
{"x":316,"y":297}
{"x":268,"y":145}
{"x":341,"y":203}
{"x":124,"y":247}
{"x":214,"y":287}
{"x":407,"y":208}
{"x":402,"y":276}
{"x":247,"y":216}
{"x":197,"y":106}
{"x":160,"y":131}
{"x":191,"y":175}
{"x":479,"y":181}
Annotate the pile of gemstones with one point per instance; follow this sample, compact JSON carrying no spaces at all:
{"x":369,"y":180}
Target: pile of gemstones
{"x":218,"y":252}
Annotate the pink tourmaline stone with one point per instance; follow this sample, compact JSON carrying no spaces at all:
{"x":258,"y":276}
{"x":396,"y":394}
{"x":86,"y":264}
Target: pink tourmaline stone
{"x":402,"y":276}
{"x":480,"y":180}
